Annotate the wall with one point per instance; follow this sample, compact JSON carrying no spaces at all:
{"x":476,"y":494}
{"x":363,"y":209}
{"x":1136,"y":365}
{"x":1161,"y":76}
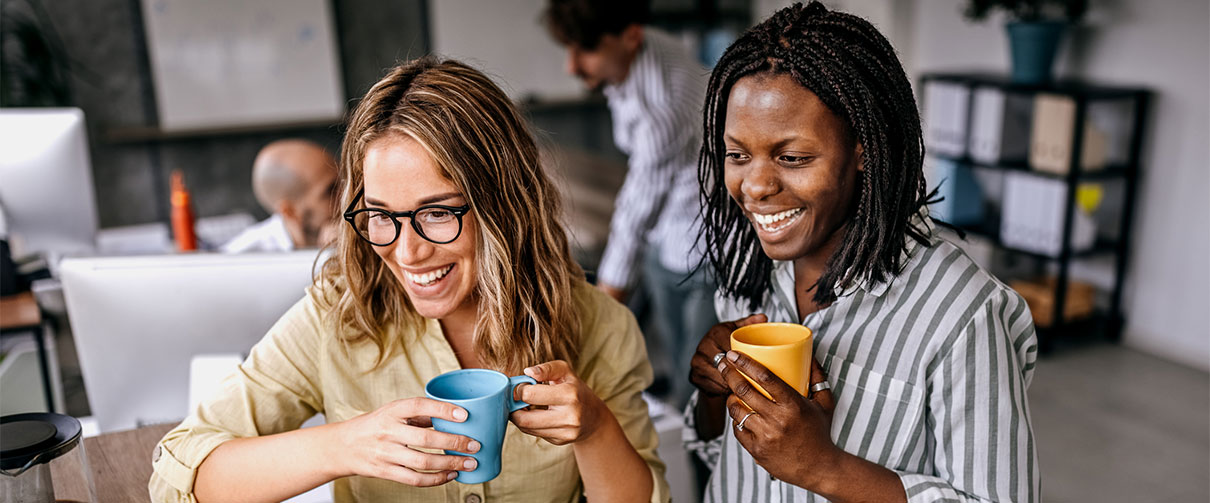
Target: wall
{"x":1162,"y":47}
{"x":111,"y":84}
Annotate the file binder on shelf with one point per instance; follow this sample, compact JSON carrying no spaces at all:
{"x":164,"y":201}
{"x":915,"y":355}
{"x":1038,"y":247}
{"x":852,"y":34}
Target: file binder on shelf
{"x":1000,"y":126}
{"x":945,"y":118}
{"x":1032,"y":216}
{"x":1105,"y":137}
{"x":961,"y":196}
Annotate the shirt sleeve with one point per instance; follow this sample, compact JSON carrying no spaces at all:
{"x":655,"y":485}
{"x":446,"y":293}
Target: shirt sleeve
{"x":618,"y":372}
{"x":706,"y":450}
{"x":273,"y":391}
{"x":979,"y":413}
{"x":651,"y":169}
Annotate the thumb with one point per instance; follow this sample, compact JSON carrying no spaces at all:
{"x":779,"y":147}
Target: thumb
{"x":552,"y":371}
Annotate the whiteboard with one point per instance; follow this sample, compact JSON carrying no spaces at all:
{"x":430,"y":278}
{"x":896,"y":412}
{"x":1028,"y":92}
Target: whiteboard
{"x":504,"y":39}
{"x":225,"y":63}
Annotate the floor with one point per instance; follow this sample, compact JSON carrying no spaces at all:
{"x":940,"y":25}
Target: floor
{"x":1116,"y":425}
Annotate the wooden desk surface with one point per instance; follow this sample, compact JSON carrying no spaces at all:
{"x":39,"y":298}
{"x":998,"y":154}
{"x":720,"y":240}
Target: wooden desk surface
{"x":120,"y":463}
{"x":19,"y":311}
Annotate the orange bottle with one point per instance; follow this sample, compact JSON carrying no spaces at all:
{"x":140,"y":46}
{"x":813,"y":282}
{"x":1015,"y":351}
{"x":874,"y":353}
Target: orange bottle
{"x":182,"y":214}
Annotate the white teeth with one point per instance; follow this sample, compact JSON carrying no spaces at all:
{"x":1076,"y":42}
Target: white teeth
{"x":428,"y":277}
{"x":767,"y":221}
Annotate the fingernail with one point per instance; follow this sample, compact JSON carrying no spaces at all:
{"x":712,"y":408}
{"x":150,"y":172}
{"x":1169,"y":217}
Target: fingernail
{"x":470,"y":463}
{"x":451,"y":476}
{"x":732,"y":355}
{"x":473,"y":446}
{"x":460,"y":414}
{"x":721,"y":366}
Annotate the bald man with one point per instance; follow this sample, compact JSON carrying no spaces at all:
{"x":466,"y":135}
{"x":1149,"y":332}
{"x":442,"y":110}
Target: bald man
{"x":295,"y":181}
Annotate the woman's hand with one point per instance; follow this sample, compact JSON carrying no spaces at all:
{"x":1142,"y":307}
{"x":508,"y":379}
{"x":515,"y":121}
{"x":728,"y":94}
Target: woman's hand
{"x":789,"y":437}
{"x":702,"y":371}
{"x":384,"y":444}
{"x":710,"y":416}
{"x":572,"y":411}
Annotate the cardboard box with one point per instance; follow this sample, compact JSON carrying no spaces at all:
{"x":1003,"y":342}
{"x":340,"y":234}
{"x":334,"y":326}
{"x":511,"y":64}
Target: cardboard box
{"x":1039,"y":294}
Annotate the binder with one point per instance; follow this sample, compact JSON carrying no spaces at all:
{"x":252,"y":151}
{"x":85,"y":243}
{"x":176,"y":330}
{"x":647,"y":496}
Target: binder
{"x":1105,"y":139}
{"x":1032,"y":216}
{"x":962,"y":196}
{"x":1000,"y":125}
{"x":945,"y":117}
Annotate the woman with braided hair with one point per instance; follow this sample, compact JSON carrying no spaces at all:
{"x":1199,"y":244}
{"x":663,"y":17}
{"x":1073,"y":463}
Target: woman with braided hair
{"x":815,"y":213}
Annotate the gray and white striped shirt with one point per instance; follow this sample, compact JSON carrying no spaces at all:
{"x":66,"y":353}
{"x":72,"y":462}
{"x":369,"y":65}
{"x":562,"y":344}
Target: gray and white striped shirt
{"x":657,"y":122}
{"x":929,"y":372}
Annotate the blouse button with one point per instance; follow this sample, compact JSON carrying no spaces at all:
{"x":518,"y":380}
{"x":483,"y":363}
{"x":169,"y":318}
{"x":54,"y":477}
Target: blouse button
{"x":155,"y":455}
{"x":474,"y":498}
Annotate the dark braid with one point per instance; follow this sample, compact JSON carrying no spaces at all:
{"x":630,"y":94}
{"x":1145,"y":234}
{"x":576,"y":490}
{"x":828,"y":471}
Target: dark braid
{"x":854,"y":71}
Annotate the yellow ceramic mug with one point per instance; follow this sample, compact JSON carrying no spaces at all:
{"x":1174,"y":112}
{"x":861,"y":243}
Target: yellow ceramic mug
{"x":784,"y":348}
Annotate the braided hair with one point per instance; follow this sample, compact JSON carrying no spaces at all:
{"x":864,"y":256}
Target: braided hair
{"x":853,"y":70}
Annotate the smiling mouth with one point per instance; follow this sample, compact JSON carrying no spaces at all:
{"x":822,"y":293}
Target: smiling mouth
{"x":428,"y":278}
{"x":777,"y":221}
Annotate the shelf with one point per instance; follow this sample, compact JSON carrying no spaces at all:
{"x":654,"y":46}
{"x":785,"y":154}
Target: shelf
{"x":1070,"y":87}
{"x":1111,"y":171}
{"x":155,"y":134}
{"x":536,"y":104}
{"x":991,"y":232}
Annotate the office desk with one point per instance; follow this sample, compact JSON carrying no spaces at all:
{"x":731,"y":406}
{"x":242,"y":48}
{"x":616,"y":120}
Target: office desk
{"x":120,"y":463}
{"x":19,"y":313}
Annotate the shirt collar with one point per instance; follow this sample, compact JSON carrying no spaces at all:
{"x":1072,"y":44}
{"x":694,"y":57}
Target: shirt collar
{"x":637,"y":66}
{"x":783,"y":271}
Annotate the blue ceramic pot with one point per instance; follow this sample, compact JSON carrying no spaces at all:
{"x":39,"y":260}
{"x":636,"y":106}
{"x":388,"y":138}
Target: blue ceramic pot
{"x":1033,"y":45}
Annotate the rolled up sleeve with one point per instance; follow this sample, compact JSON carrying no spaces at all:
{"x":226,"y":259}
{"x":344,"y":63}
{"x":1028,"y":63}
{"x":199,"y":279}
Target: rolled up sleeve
{"x":273,"y":391}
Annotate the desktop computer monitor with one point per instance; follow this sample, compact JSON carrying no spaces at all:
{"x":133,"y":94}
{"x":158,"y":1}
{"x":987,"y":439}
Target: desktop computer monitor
{"x":46,"y":181}
{"x":138,"y":322}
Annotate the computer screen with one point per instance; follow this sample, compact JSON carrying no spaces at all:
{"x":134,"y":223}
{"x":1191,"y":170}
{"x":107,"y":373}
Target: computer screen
{"x":138,"y":322}
{"x":46,"y":181}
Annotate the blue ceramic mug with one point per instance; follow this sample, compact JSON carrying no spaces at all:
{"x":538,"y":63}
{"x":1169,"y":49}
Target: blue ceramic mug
{"x":487,"y":396}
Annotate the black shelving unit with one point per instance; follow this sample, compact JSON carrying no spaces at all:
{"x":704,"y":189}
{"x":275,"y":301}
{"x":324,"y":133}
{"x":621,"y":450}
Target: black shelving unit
{"x":1108,"y":322}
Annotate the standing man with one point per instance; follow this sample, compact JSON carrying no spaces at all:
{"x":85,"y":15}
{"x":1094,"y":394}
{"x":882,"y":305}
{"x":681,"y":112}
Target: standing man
{"x":655,"y":91}
{"x":295,"y":181}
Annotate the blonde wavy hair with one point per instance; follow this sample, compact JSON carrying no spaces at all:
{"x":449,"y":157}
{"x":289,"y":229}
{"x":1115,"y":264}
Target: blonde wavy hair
{"x":525,"y":272}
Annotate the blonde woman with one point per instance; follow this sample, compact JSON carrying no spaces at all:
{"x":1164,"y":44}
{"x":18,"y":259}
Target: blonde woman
{"x":454,"y":257}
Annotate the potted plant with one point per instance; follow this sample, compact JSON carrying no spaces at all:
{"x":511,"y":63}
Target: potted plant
{"x":1035,"y":28}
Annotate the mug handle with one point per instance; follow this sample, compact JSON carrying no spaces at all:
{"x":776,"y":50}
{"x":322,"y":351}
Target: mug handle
{"x":515,"y":405}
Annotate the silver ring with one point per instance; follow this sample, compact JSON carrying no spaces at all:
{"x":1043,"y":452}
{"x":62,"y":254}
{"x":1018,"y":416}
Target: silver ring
{"x":740,"y":425}
{"x":820,"y":386}
{"x":718,"y":358}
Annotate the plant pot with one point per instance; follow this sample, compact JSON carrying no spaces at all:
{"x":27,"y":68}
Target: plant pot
{"x":1033,"y":45}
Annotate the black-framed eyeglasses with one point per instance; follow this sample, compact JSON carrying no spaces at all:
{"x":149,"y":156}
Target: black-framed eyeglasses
{"x":436,"y":223}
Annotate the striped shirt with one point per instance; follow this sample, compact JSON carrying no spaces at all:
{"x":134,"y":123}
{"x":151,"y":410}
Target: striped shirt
{"x":656,"y":115}
{"x":929,"y":372}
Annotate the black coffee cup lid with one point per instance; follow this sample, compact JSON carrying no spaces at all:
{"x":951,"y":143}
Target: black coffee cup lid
{"x":41,"y":435}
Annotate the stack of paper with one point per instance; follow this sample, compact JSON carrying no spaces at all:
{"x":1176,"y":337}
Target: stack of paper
{"x":945,"y":117}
